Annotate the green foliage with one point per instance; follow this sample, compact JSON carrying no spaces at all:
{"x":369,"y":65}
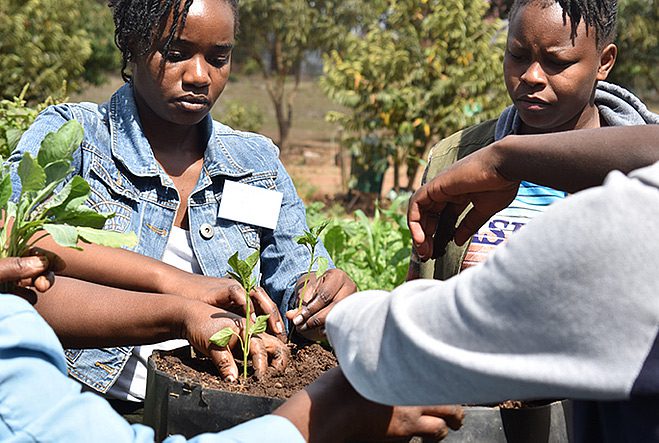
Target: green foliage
{"x":242,"y":272}
{"x":310,"y":240}
{"x":373,"y":252}
{"x":43,"y":42}
{"x":637,"y":66}
{"x":243,"y":118}
{"x":419,"y":73}
{"x":278,"y":34}
{"x":105,"y":56}
{"x":16,"y":117}
{"x":61,"y":215}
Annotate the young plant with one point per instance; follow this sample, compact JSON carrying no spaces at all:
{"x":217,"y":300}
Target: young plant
{"x":40,"y":211}
{"x":310,"y":240}
{"x":242,"y":272}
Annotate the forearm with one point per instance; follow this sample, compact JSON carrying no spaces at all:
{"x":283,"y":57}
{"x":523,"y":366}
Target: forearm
{"x":115,"y":267}
{"x":576,"y":160}
{"x":524,"y":324}
{"x":89,"y":315}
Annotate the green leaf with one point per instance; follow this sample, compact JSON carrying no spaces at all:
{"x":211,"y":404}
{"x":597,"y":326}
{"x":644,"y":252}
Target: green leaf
{"x":260,"y":325}
{"x":323,"y":264}
{"x":252,"y":260}
{"x":84,"y":216}
{"x":72,"y":195}
{"x":61,"y":144}
{"x":57,"y":171}
{"x":64,"y":235}
{"x":222,"y":337}
{"x":13,"y":136}
{"x":5,"y":191}
{"x":107,"y":238}
{"x":33,"y":177}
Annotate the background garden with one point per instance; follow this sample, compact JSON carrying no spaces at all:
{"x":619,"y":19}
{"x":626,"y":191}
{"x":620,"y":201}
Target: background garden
{"x":355,"y":92}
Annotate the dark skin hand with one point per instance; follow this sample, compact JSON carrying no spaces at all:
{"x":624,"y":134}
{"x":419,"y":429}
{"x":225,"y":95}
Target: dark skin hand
{"x":34,"y":271}
{"x":117,"y":267}
{"x":109,"y":317}
{"x":330,"y":410}
{"x":321,"y":295}
{"x":488,"y":179}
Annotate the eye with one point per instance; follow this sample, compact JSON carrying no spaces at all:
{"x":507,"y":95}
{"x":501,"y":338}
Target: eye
{"x":174,"y":56}
{"x":220,"y":60}
{"x":515,"y":55}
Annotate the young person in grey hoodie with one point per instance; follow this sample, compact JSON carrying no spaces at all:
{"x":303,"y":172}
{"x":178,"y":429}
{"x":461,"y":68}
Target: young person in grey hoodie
{"x":558,"y":54}
{"x":567,"y":308}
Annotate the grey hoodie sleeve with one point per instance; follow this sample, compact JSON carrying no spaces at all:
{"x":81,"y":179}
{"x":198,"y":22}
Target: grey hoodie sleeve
{"x":568,"y":308}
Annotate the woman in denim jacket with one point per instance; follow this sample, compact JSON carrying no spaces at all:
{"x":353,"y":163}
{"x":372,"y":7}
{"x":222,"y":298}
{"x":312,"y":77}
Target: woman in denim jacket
{"x":155,"y":158}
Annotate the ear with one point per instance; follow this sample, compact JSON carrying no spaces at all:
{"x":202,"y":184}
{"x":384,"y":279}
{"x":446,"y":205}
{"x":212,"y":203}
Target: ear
{"x":607,"y":60}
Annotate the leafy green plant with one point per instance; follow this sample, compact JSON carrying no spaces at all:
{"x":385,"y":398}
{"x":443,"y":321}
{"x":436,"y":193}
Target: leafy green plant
{"x":241,"y":117}
{"x":310,"y":240}
{"x":242,"y":273}
{"x":16,"y":117}
{"x":41,"y":210}
{"x":373,"y":251}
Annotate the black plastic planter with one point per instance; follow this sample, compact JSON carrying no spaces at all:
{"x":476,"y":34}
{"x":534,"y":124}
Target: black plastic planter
{"x":179,"y":407}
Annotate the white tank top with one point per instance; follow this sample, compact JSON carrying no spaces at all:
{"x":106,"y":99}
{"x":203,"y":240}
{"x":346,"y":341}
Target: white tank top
{"x":131,"y":384}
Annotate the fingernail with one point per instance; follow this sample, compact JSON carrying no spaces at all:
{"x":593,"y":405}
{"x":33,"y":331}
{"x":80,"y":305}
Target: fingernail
{"x":253,"y":317}
{"x":230,"y":378}
{"x":280,"y":327}
{"x":303,"y":327}
{"x":298,"y":320}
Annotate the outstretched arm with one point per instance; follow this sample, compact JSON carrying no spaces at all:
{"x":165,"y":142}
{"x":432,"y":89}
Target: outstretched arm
{"x":543,"y":317}
{"x":488,"y":179}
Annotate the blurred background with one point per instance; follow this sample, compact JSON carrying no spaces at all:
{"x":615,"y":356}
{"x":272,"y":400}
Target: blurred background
{"x":355,"y":93}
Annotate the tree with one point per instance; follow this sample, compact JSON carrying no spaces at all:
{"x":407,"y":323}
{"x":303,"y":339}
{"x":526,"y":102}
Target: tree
{"x":278,"y":34}
{"x":421,"y":72}
{"x":638,"y":58}
{"x":41,"y":42}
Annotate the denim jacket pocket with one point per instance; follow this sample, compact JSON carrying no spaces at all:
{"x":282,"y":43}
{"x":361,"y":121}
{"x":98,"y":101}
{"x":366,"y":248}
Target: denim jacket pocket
{"x":111,"y":192}
{"x":251,"y":235}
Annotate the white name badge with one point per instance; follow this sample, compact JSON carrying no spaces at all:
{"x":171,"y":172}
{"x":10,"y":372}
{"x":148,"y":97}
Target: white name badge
{"x":251,"y":205}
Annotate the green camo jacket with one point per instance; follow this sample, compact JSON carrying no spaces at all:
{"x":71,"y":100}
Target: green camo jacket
{"x":442,"y":155}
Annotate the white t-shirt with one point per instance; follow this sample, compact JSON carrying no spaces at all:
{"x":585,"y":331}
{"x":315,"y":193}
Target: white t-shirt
{"x":131,"y":384}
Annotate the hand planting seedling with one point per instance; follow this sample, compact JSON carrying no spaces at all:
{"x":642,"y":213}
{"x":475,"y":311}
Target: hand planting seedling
{"x":242,"y":273}
{"x":310,"y":240}
{"x":40,"y":210}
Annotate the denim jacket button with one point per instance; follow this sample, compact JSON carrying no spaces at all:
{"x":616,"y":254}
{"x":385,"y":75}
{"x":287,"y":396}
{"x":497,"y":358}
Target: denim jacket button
{"x":206,"y":231}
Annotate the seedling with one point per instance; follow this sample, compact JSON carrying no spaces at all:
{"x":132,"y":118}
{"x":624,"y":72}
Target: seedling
{"x":310,"y":240}
{"x":242,"y":272}
{"x":40,"y":210}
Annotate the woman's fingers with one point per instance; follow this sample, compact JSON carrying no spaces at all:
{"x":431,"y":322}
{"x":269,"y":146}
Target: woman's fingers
{"x":265,"y":306}
{"x":15,"y":269}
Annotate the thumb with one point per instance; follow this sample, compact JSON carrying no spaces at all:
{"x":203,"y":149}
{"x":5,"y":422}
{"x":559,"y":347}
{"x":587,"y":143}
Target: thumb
{"x":17,"y":268}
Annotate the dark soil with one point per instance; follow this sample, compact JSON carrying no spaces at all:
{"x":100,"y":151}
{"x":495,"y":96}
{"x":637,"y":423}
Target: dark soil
{"x":307,"y":363}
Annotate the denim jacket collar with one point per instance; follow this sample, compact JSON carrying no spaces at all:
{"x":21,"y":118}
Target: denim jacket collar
{"x":131,"y":147}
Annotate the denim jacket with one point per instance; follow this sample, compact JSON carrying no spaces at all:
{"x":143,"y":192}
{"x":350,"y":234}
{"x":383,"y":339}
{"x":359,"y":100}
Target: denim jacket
{"x":116,"y":159}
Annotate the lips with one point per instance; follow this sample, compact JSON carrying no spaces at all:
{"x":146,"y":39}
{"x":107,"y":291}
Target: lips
{"x":532,"y":100}
{"x":193,"y":102}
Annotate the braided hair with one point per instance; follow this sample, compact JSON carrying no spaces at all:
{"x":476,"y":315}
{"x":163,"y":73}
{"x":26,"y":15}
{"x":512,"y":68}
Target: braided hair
{"x":598,"y":14}
{"x":140,"y":23}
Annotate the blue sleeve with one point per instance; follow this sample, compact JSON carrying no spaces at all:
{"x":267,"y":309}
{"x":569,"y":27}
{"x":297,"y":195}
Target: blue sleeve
{"x":38,"y":402}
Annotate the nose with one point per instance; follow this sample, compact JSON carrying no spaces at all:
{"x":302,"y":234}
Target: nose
{"x":534,"y":74}
{"x":196,"y":72}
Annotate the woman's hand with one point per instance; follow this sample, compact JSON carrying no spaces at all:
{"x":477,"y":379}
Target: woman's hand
{"x":227,"y":293}
{"x":319,"y":298}
{"x":202,"y":321}
{"x":37,"y":270}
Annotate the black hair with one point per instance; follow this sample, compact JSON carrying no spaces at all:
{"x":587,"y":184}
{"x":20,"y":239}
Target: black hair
{"x":138,"y":24}
{"x":598,"y":14}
